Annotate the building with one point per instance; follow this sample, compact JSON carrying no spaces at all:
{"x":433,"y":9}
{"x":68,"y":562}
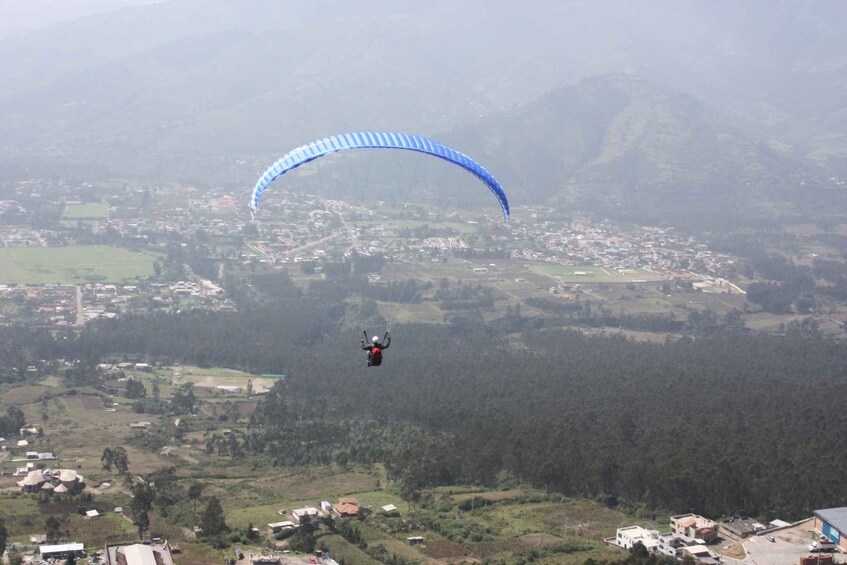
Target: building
{"x":277,"y":527}
{"x":57,"y":480}
{"x":139,"y":554}
{"x":702,"y":554}
{"x":347,"y":507}
{"x":61,"y":551}
{"x":629,"y":536}
{"x":832,"y":524}
{"x":304,"y":515}
{"x":695,"y":527}
{"x":741,"y":527}
{"x":265,"y":560}
{"x":673,"y":544}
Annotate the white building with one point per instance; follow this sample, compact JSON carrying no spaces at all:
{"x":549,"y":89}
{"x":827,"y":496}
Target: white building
{"x":673,"y":544}
{"x":631,"y":535}
{"x":139,"y":554}
{"x":61,"y":551}
{"x":302,"y":515}
{"x":277,"y":527}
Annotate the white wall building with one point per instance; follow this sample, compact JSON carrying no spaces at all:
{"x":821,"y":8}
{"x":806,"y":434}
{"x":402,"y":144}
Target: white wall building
{"x":630,"y":535}
{"x":302,"y":515}
{"x":672,"y":544}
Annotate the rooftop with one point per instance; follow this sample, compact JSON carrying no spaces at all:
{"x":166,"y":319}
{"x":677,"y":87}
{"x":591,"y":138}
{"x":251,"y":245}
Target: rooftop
{"x":61,"y":548}
{"x":837,"y":517}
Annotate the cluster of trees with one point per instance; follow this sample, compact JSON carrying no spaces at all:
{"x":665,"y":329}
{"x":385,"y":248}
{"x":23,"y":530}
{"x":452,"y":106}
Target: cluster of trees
{"x":464,"y":296}
{"x":12,"y":421}
{"x":786,"y":286}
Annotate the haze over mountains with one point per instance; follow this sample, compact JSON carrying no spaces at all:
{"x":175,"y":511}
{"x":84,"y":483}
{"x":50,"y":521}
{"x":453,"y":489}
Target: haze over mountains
{"x":606,"y":103}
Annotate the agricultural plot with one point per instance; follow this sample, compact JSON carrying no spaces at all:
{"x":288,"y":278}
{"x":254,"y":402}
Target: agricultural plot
{"x":72,"y":264}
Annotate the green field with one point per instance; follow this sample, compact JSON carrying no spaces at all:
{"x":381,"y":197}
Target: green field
{"x":585,"y":274}
{"x":72,"y":264}
{"x":92,"y":210}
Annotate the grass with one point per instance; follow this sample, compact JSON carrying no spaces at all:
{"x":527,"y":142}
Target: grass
{"x":72,"y":264}
{"x":91,"y":210}
{"x":21,"y":515}
{"x":344,"y":552}
{"x":195,"y":553}
{"x":492,"y":496}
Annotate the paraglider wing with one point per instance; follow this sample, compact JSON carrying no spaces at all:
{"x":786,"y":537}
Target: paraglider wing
{"x":376,"y":140}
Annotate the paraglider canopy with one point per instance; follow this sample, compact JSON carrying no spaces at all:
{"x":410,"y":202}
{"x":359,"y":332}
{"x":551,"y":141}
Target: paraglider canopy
{"x":375,"y":140}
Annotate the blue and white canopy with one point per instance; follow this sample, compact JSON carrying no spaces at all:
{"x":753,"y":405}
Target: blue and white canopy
{"x":375,"y":140}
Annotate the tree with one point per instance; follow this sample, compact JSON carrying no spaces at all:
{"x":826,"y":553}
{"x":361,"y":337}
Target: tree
{"x":13,"y":421}
{"x":213,"y":520}
{"x":183,"y":400}
{"x":195,"y":490}
{"x":410,"y":491}
{"x":142,"y":522}
{"x":142,"y":498}
{"x":4,"y":535}
{"x":107,"y":459}
{"x":303,"y":540}
{"x":53,"y":528}
{"x":120,"y":459}
{"x":135,"y":389}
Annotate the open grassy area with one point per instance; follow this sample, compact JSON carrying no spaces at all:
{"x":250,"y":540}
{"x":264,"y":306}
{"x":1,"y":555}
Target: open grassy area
{"x":21,"y":515}
{"x":72,"y":264}
{"x":91,"y":210}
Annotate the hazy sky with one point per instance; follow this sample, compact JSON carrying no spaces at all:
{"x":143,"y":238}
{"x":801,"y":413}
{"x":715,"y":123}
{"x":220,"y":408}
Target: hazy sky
{"x":18,"y":16}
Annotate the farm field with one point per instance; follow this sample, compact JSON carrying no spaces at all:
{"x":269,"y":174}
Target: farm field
{"x":72,"y":264}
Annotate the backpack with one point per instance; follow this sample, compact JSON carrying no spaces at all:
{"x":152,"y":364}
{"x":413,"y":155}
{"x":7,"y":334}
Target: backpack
{"x":376,"y":356}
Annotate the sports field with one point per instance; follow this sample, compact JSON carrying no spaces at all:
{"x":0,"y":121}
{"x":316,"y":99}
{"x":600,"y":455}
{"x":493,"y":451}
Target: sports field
{"x":72,"y":264}
{"x":587,"y":274}
{"x":91,"y":210}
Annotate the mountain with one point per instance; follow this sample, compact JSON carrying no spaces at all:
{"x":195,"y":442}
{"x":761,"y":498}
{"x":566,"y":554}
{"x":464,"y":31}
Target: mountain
{"x":213,"y":90}
{"x":617,"y":143}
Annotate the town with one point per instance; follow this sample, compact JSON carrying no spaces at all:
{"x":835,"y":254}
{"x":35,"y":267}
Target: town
{"x":171,"y":245}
